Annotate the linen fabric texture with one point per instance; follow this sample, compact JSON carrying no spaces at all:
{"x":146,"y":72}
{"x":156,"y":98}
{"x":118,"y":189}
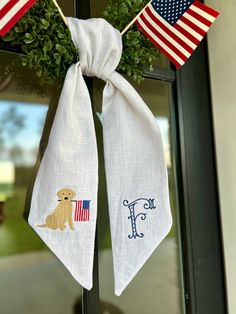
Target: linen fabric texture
{"x":136,"y":174}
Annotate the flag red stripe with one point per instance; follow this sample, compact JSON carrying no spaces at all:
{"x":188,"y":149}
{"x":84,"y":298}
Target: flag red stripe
{"x":156,"y":44}
{"x":199,"y":17}
{"x":16,"y":17}
{"x":163,"y":39}
{"x":75,"y":215}
{"x":7,"y":7}
{"x":187,"y":34}
{"x":192,"y":25}
{"x":206,"y":9}
{"x":80,"y":210}
{"x":168,"y":31}
{"x":77,"y":211}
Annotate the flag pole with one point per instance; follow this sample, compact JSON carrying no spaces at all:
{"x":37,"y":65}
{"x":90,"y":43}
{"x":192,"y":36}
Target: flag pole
{"x":60,"y":12}
{"x":132,"y":22}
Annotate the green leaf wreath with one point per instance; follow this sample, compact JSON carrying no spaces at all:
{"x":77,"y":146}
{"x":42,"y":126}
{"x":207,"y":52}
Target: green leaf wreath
{"x":47,"y":47}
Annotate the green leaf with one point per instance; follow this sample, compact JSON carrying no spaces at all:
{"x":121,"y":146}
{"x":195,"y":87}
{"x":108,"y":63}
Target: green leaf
{"x":60,"y":48}
{"x":39,"y":73}
{"x":28,"y":38}
{"x":44,"y":23}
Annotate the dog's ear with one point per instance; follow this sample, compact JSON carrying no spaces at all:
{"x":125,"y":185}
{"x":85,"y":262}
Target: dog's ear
{"x":59,"y":194}
{"x":72,"y":193}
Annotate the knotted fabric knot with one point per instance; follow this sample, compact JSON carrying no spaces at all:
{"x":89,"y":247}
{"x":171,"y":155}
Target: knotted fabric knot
{"x":100,"y":46}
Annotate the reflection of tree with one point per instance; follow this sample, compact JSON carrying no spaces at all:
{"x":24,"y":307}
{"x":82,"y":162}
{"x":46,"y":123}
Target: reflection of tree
{"x":16,"y":153}
{"x":11,"y":123}
{"x":20,"y":78}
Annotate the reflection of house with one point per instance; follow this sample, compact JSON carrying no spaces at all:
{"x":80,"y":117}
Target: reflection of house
{"x":7,"y":179}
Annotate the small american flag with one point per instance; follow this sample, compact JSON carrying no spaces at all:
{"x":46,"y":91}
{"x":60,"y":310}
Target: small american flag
{"x":82,"y":210}
{"x":11,"y":11}
{"x":176,"y":27}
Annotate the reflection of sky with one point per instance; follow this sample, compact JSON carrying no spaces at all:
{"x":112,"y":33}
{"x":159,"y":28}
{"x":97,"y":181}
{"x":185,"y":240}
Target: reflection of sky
{"x":163,"y":123}
{"x":27,"y":138}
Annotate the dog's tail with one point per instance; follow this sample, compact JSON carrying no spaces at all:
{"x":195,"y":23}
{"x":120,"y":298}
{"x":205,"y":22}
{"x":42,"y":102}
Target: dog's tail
{"x":41,"y":226}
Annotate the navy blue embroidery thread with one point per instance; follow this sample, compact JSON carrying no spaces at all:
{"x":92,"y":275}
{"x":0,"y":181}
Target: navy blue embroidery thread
{"x":148,"y":204}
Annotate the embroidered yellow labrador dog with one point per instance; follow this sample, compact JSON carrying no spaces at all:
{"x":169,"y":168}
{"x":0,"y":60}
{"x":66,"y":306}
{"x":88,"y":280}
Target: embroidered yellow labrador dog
{"x":62,"y":213}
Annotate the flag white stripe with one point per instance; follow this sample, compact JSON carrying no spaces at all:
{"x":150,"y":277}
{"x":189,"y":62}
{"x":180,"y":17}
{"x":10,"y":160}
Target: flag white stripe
{"x":189,"y":30}
{"x":172,"y":53}
{"x":203,"y":13}
{"x":12,"y":12}
{"x":3,"y":3}
{"x":196,"y":22}
{"x":175,"y":31}
{"x":168,"y":37}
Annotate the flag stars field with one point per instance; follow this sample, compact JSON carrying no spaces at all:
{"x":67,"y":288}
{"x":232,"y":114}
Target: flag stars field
{"x":171,"y":9}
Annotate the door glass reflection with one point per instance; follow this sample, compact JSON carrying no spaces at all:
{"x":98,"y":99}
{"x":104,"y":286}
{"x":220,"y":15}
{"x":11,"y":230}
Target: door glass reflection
{"x":157,"y":288}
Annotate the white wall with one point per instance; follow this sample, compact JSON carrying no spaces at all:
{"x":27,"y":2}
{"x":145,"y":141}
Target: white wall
{"x":222,"y":53}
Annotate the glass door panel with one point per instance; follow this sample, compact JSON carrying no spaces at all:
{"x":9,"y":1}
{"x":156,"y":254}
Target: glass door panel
{"x":157,"y":288}
{"x":32,"y":281}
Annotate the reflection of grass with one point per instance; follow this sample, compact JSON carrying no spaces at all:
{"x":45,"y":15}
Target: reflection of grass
{"x":16,"y":235}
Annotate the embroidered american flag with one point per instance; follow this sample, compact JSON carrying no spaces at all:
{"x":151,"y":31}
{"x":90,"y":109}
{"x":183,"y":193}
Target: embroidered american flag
{"x":11,"y":11}
{"x":82,"y":210}
{"x":176,"y":27}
